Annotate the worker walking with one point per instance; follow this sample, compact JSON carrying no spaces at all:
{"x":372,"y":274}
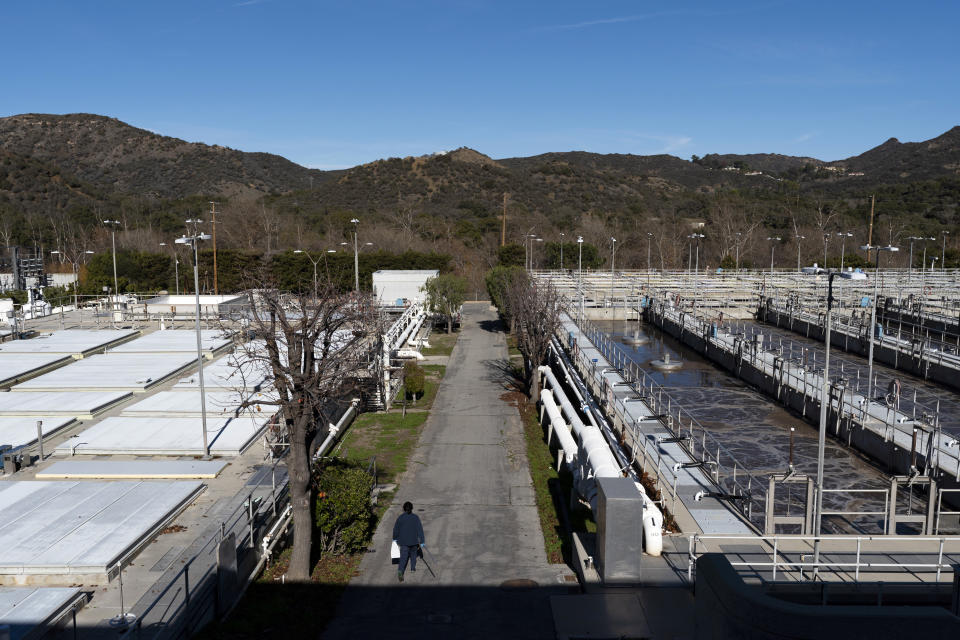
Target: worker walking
{"x":408,"y":534}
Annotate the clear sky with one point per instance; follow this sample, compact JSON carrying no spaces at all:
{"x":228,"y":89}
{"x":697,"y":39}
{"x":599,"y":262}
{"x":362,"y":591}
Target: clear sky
{"x":335,"y":84}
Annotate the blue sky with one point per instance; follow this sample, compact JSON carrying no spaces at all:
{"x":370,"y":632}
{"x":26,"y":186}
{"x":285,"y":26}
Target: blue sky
{"x":335,"y":84}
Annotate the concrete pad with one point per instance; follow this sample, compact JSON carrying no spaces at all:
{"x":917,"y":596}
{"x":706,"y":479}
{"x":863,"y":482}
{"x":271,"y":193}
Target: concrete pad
{"x":599,"y":616}
{"x":65,"y":531}
{"x":77,"y":343}
{"x":119,"y":435}
{"x":177,"y":340}
{"x":22,"y":431}
{"x":20,"y":367}
{"x":180,"y":404}
{"x":226,"y":374}
{"x":82,"y":405}
{"x":112,"y":372}
{"x":127,"y":469}
{"x":31,"y":612}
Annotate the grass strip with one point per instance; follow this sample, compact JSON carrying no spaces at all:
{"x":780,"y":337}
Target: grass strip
{"x":441,"y":344}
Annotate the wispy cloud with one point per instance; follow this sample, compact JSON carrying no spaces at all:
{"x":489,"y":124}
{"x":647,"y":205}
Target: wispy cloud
{"x":804,"y":137}
{"x":247,"y":3}
{"x":658,"y":14}
{"x":601,"y":21}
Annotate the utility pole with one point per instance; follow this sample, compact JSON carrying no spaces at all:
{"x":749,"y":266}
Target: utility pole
{"x":503,"y":225}
{"x":213,"y":212}
{"x":870,"y":229}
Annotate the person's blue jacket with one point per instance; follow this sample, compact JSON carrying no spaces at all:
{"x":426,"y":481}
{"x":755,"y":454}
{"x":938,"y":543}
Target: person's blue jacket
{"x":407,"y":530}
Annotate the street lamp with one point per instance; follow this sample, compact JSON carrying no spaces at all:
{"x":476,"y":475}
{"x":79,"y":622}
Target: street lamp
{"x":613,"y":257}
{"x":943,"y":253}
{"x":773,"y":243}
{"x":910,"y":263}
{"x":873,"y":318}
{"x":113,"y":242}
{"x":826,"y":241}
{"x":580,"y":270}
{"x":649,"y":239}
{"x":561,"y":252}
{"x":193,"y":241}
{"x":356,"y":259}
{"x":799,"y":238}
{"x":696,"y":262}
{"x":843,"y":235}
{"x":532,"y":245}
{"x":315,"y":262}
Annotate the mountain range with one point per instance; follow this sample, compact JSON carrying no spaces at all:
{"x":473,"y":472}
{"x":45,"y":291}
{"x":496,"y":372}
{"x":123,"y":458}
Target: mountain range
{"x":84,"y":162}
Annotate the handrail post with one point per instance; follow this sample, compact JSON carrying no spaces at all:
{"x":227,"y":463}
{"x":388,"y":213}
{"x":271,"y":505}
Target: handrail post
{"x":776,"y":542}
{"x":692,"y":550}
{"x":857,"y":573}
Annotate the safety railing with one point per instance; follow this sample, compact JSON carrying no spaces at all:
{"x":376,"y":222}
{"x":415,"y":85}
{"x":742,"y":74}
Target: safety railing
{"x":193,"y":595}
{"x":843,"y":556}
{"x":729,"y":474}
{"x":844,"y":404}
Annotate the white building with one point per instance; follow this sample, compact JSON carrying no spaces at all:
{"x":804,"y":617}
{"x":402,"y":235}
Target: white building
{"x":400,"y":287}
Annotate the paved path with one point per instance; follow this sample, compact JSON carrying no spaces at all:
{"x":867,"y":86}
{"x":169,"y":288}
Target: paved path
{"x":469,"y":482}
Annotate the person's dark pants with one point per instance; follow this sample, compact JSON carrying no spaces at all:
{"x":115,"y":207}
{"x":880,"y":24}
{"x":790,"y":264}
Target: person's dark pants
{"x":408,"y":552}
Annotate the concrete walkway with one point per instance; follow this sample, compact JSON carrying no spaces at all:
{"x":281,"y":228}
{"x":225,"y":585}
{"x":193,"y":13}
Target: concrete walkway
{"x":469,"y":482}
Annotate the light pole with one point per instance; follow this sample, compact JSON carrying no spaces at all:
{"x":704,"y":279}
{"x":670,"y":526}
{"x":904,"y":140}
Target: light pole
{"x":943,"y":252}
{"x":356,"y":272}
{"x":873,"y":318}
{"x":580,"y":271}
{"x":613,"y":257}
{"x":193,"y":241}
{"x":195,"y":222}
{"x":923,"y":262}
{"x":822,"y":435}
{"x":826,"y":241}
{"x":773,"y":243}
{"x":113,"y":242}
{"x":649,"y":239}
{"x":561,"y":252}
{"x":799,"y":238}
{"x":356,"y":259}
{"x":315,"y":262}
{"x":843,"y":245}
{"x":910,"y":264}
{"x":696,"y":263}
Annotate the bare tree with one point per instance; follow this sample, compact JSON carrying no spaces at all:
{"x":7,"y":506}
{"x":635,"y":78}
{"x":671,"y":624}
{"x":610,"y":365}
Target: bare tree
{"x":536,"y":307}
{"x":320,"y":353}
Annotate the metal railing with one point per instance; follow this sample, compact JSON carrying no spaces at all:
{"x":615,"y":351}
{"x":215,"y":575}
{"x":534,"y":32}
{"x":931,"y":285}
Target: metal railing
{"x":728,"y":473}
{"x":790,"y":553}
{"x":192,"y":595}
{"x":844,"y":404}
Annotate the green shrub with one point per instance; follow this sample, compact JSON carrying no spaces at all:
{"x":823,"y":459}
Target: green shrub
{"x":344,"y":511}
{"x":413,"y":379}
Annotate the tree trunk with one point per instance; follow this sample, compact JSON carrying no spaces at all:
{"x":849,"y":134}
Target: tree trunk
{"x":449,"y":324}
{"x":299,"y":470}
{"x":535,"y":385}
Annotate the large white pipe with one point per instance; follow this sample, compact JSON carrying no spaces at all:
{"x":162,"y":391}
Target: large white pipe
{"x":596,"y":460}
{"x":568,"y":411}
{"x":567,"y":443}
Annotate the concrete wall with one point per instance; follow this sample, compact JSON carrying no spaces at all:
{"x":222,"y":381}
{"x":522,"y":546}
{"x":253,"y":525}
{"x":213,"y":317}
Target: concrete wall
{"x":726,"y":608}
